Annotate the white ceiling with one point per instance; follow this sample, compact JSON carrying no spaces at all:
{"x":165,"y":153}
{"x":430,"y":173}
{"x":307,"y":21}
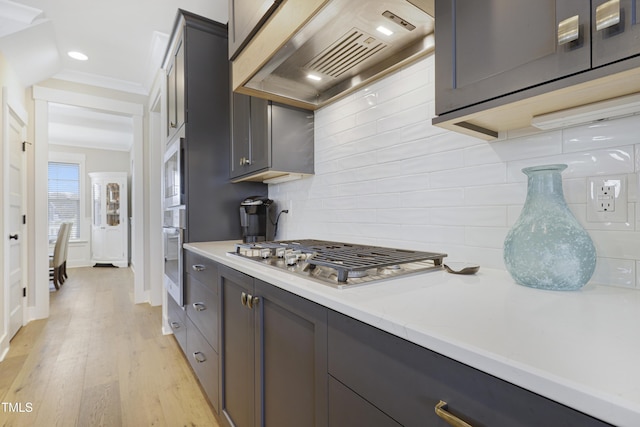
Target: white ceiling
{"x":124,"y":39}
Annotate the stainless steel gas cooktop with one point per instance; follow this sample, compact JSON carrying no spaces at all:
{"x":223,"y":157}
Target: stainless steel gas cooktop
{"x":340,"y":264}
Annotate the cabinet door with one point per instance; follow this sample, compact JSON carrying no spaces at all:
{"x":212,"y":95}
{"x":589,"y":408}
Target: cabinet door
{"x":260,"y":143}
{"x":293,"y":381}
{"x":175,"y":90}
{"x":238,"y":396}
{"x":490,"y":48}
{"x":245,"y":19}
{"x":240,"y":133}
{"x":615,"y":29}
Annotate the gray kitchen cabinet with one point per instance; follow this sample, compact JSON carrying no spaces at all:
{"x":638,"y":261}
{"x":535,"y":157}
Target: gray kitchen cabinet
{"x":500,"y":62}
{"x":245,"y":19}
{"x":273,"y":360}
{"x":269,"y":140}
{"x":616,"y":30}
{"x":175,"y":89}
{"x":204,"y":105}
{"x":406,"y":382}
{"x":491,"y":48}
{"x":201,"y":322}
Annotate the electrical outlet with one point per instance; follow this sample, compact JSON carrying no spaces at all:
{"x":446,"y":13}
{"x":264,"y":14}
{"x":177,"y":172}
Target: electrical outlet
{"x":607,"y":198}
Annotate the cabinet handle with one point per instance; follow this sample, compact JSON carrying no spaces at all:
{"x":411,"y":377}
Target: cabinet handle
{"x":175,"y":325}
{"x":252,"y":301}
{"x":199,"y":267}
{"x":568,"y":30}
{"x":171,"y":124}
{"x":452,"y":420}
{"x":243,"y":299}
{"x":13,"y":237}
{"x":245,"y":162}
{"x":199,"y":306}
{"x":607,"y":14}
{"x":200,"y":357}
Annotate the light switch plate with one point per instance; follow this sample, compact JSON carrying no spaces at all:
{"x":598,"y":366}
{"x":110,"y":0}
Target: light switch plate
{"x":607,"y":198}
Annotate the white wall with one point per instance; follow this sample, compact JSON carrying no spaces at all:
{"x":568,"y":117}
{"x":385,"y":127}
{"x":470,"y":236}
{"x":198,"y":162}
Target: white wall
{"x":386,"y":176}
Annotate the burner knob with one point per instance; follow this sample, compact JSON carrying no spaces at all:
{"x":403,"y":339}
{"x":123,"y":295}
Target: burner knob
{"x":280,"y":252}
{"x":265,"y":253}
{"x":291,"y":259}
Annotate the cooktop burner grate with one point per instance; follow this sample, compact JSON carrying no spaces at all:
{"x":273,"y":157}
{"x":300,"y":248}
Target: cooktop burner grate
{"x":348,"y":260}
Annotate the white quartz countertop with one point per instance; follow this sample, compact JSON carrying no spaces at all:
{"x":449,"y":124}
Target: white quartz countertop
{"x":578,"y":348}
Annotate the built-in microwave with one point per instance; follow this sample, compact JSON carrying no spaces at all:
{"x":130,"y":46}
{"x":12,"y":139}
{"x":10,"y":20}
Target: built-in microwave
{"x":174,"y":174}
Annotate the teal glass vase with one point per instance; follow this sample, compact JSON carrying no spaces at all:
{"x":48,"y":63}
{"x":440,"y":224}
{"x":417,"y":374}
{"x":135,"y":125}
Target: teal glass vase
{"x":547,"y":248}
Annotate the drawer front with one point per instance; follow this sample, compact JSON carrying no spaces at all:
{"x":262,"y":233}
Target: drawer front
{"x":176,"y":319}
{"x":204,"y":361}
{"x":406,"y":382}
{"x":202,"y":268}
{"x":202,"y":308}
{"x":347,"y":409}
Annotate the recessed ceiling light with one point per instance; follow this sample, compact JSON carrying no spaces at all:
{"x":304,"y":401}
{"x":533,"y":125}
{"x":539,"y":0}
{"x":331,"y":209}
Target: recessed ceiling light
{"x":384,"y":30}
{"x":78,"y":55}
{"x":314,"y":77}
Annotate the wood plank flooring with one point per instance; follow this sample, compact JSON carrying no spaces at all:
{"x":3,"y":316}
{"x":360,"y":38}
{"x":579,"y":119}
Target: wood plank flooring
{"x":99,"y":360}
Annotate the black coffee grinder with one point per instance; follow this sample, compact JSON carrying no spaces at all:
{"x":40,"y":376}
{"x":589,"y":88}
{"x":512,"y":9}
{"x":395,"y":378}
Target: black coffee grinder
{"x":255,"y":219}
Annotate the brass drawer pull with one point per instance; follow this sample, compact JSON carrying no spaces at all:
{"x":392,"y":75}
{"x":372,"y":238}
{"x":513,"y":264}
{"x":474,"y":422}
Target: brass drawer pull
{"x":607,"y":14}
{"x":568,"y":30}
{"x":452,"y":420}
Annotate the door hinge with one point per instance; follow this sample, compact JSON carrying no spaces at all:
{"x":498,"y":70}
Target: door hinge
{"x":24,"y":292}
{"x":24,"y":219}
{"x":24,"y":145}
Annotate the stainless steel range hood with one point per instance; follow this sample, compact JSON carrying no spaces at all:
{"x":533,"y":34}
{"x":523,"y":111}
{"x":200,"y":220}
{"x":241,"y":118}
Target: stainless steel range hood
{"x":342,"y":48}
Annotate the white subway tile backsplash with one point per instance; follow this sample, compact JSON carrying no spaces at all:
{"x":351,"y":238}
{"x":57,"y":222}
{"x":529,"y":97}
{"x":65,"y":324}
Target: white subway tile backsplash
{"x":384,"y":175}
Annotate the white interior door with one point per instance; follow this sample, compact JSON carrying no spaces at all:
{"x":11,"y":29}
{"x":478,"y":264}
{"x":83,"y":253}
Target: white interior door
{"x":16,"y":228}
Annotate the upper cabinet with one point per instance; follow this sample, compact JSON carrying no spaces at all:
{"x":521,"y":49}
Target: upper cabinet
{"x":175,"y":88}
{"x":499,"y":63}
{"x":270,"y":141}
{"x":245,"y":19}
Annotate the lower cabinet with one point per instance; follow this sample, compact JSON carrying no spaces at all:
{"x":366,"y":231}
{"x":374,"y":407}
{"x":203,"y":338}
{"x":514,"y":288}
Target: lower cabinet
{"x":200,"y":320}
{"x":267,"y":357}
{"x":274,"y":357}
{"x":381,"y":372}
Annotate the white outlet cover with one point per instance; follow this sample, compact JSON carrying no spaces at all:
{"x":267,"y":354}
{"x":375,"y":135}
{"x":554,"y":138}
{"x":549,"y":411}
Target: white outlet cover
{"x":619,"y":182}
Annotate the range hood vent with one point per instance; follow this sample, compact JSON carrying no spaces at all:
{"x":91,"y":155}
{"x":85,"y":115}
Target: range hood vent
{"x":350,"y":50}
{"x":346,"y":45}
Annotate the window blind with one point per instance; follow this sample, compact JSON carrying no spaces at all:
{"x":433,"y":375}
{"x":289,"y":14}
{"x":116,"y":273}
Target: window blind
{"x":64,"y":198}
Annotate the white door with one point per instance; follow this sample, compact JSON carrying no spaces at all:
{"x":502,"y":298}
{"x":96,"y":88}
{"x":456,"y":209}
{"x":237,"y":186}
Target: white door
{"x":16,"y":228}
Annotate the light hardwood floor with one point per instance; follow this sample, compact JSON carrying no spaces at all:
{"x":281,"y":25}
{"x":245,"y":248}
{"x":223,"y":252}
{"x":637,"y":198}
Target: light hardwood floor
{"x":99,"y":360}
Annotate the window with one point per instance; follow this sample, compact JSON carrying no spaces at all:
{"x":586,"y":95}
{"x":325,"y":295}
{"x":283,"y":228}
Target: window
{"x":64,"y":197}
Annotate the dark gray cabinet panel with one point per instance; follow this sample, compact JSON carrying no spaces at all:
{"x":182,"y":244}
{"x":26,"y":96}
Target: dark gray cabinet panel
{"x":406,"y":381}
{"x":274,"y":358}
{"x":202,"y":307}
{"x":238,"y":386}
{"x":204,"y":362}
{"x":615,"y":41}
{"x":176,"y":319}
{"x":269,"y":136}
{"x":293,"y":357}
{"x":245,"y":19}
{"x":348,"y":409}
{"x":491,"y":48}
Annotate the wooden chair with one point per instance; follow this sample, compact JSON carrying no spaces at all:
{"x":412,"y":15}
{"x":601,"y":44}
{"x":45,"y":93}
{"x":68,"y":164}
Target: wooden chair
{"x":56,"y":261}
